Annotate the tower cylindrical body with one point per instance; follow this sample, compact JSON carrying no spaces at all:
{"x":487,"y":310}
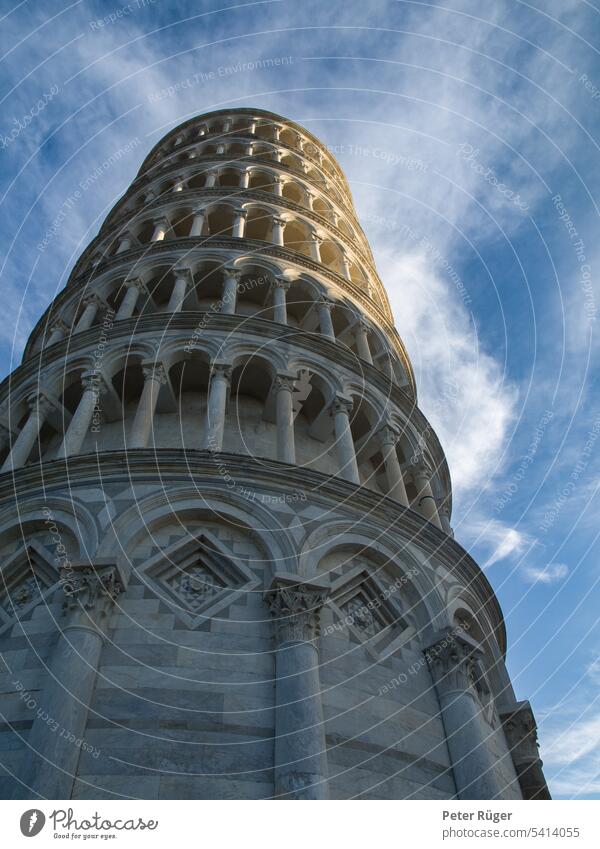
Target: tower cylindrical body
{"x":219,"y":405}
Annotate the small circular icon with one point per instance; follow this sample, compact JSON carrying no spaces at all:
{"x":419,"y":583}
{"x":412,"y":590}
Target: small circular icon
{"x":32,"y":822}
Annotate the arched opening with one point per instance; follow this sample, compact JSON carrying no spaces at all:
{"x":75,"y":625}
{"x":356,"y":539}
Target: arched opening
{"x":220,"y":221}
{"x":261,"y":181}
{"x":189,"y":380}
{"x":253,"y":292}
{"x":331,"y":256}
{"x":229,"y":177}
{"x":246,"y":431}
{"x":181,"y":222}
{"x":208,"y":286}
{"x":301,"y":299}
{"x":258,"y":224}
{"x":198,"y":181}
{"x":292,"y":191}
{"x":297,"y":237}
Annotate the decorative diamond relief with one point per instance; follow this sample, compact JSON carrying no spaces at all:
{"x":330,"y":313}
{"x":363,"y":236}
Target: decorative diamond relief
{"x":26,"y":579}
{"x":197,"y":579}
{"x":366,"y":607}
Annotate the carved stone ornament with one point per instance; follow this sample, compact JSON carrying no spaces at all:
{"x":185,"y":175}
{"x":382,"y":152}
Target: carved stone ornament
{"x":88,"y":588}
{"x":295,"y":606}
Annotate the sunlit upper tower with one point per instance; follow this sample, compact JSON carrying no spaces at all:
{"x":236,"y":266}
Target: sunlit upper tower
{"x":231,"y":571}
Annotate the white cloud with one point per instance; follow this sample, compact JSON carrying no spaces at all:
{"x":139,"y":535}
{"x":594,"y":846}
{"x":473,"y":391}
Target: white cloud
{"x":550,"y":574}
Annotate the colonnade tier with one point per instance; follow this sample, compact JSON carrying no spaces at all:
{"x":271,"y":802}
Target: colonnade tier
{"x":345,"y":425}
{"x":236,"y":182}
{"x":259,"y":124}
{"x":145,"y":281}
{"x":189,"y":215}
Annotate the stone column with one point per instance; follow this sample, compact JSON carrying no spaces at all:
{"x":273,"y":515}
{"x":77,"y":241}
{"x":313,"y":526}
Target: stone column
{"x":344,"y":442}
{"x":134,"y":289}
{"x":220,"y":381}
{"x":183,"y":280}
{"x":198,"y":221}
{"x":310,"y":199}
{"x":315,"y":247}
{"x":58,"y":730}
{"x":239,"y":224}
{"x":278,"y":186}
{"x":161,"y":228}
{"x":39,"y":406}
{"x":245,"y":179}
{"x":454,"y":663}
{"x":93,"y":386}
{"x":220,"y":149}
{"x":388,"y":437}
{"x":361,"y":334}
{"x":425,"y":502}
{"x":284,"y":388}
{"x":154,"y":377}
{"x":179,"y":185}
{"x":345,"y":260}
{"x":211,"y":180}
{"x":232,"y":278}
{"x":520,"y":730}
{"x":444,"y":514}
{"x":249,"y":149}
{"x":280,"y":289}
{"x":58,"y":331}
{"x":277,"y":228}
{"x":126,"y":242}
{"x":300,"y":748}
{"x":325,"y":322}
{"x":92,"y":303}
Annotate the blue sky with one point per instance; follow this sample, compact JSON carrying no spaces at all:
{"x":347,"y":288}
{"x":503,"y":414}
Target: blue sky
{"x":458,"y":124}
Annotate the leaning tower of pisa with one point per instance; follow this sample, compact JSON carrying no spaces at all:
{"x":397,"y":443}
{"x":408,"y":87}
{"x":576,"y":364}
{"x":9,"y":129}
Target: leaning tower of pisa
{"x":228,"y":569}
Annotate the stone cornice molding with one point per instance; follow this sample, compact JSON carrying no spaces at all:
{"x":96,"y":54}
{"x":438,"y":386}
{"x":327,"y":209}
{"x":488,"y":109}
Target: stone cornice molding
{"x":172,"y":465}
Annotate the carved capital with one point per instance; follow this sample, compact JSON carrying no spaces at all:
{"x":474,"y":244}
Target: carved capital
{"x":94,"y":380}
{"x":60,"y":325}
{"x":136,"y":283}
{"x":221,"y":371}
{"x":326,"y":303}
{"x":89,"y":589}
{"x":232,"y":272}
{"x":388,"y":435}
{"x":182,"y":272}
{"x":282,"y":283}
{"x":454,"y":661}
{"x":520,"y":730}
{"x":295,"y":606}
{"x":342,"y":404}
{"x":40,"y":403}
{"x":420,"y":469}
{"x":284,"y":381}
{"x":280,"y":222}
{"x":154,"y":371}
{"x":95,"y":299}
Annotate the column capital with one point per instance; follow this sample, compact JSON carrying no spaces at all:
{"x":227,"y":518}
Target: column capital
{"x":282,"y":283}
{"x":94,"y":298}
{"x":295,"y":605}
{"x":454,"y":662}
{"x":243,"y":213}
{"x":154,"y":371}
{"x":285,"y":380}
{"x":520,"y":730}
{"x":388,"y":434}
{"x":41,"y":402}
{"x":199,"y":210}
{"x":277,"y":219}
{"x":137,"y":283}
{"x":342,"y":404}
{"x":232,"y":272}
{"x":223,"y":371}
{"x":94,"y":380}
{"x":326,"y":302}
{"x":363,"y":325}
{"x":88,"y":588}
{"x":161,"y":220}
{"x":59,"y":324}
{"x":420,"y":467}
{"x":314,"y":237}
{"x":183,"y":272}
